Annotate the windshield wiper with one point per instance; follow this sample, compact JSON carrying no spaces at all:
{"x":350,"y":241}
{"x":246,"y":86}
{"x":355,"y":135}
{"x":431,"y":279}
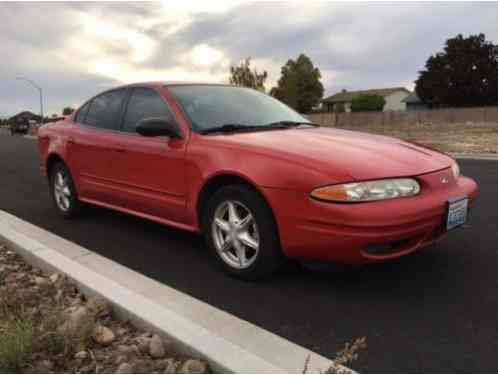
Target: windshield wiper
{"x":289,"y":124}
{"x":227,"y":128}
{"x":232,"y":127}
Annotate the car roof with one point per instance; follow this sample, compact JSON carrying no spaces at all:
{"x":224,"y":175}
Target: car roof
{"x":171,"y":83}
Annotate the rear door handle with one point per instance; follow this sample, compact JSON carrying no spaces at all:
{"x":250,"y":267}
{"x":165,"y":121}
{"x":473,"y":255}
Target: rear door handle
{"x":120,"y":150}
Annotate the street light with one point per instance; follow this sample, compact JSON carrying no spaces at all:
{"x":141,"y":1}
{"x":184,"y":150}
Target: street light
{"x":40,"y":91}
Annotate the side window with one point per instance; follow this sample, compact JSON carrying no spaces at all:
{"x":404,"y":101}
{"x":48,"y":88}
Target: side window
{"x":105,"y":110}
{"x":144,"y":103}
{"x":80,"y":116}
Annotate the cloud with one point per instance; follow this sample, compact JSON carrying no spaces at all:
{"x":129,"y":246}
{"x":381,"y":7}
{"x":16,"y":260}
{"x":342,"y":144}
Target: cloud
{"x":74,"y":50}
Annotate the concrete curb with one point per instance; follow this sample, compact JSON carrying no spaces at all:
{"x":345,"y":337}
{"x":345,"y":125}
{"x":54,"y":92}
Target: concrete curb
{"x":475,"y":156}
{"x":229,"y":344}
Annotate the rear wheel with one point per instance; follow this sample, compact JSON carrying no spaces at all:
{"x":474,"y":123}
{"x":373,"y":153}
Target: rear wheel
{"x":241,"y":232}
{"x":64,"y":192}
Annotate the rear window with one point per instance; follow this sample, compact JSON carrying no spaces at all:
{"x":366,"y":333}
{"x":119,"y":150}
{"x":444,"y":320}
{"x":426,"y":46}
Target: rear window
{"x":105,"y":110}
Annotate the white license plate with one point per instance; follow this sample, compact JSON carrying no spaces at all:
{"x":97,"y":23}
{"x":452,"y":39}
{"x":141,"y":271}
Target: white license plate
{"x":457,"y":212}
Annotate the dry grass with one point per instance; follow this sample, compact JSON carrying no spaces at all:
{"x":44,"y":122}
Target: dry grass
{"x":17,"y":338}
{"x":348,"y":354}
{"x":343,"y":358}
{"x":25,"y":331}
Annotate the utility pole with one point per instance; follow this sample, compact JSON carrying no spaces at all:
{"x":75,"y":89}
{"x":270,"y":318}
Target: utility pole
{"x":39,"y":90}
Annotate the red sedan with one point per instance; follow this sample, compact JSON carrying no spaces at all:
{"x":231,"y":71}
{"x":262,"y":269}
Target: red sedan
{"x":259,"y":180}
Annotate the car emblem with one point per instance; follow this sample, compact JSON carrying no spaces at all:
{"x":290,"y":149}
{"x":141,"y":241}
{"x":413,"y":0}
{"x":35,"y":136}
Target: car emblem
{"x":444,"y":180}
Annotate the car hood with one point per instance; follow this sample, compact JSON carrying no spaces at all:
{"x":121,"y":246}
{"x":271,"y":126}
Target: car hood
{"x":348,"y":154}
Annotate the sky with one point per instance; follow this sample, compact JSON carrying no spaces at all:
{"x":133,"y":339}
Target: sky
{"x":74,"y":50}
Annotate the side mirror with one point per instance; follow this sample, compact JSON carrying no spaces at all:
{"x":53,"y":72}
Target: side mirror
{"x":158,"y":126}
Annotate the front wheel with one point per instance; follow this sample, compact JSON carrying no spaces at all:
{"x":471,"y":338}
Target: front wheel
{"x":241,"y":232}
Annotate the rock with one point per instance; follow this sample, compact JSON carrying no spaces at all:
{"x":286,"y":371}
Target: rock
{"x":103,"y":335}
{"x":124,"y":368}
{"x":99,"y":307}
{"x":81,"y":355}
{"x":142,"y":366}
{"x":45,"y":365}
{"x":76,"y":316}
{"x":123,"y":349}
{"x":128,"y":351}
{"x":170,"y":366}
{"x":156,"y":347}
{"x":193,"y":366}
{"x":120,"y":359}
{"x":55,"y":277}
{"x":41,"y":281}
{"x":143,"y":344}
{"x":58,"y":295}
{"x":11,"y":278}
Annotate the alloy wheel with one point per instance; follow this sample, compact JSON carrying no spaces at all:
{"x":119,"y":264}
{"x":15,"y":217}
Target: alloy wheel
{"x":235,"y":234}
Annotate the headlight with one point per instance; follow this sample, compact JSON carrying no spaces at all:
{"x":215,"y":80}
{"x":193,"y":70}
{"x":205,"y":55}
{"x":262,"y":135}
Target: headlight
{"x":455,"y":169}
{"x":368,"y":191}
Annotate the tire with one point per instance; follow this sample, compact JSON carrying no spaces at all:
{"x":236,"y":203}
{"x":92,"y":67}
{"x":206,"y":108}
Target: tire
{"x":64,"y":194}
{"x":226,"y":237}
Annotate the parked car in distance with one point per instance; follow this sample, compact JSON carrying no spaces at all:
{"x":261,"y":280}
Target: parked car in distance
{"x":257,"y":179}
{"x":19,"y":128}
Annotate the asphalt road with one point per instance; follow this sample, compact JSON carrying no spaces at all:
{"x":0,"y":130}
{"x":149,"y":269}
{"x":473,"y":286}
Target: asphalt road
{"x":435,"y":311}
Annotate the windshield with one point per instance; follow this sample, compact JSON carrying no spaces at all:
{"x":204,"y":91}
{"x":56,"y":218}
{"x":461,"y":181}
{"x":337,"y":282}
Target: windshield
{"x":211,"y":106}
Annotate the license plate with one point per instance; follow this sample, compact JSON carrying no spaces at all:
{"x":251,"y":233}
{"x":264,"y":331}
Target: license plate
{"x":457,"y":212}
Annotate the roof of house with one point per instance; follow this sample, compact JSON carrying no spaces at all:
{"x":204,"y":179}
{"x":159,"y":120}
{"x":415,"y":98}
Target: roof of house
{"x":24,"y":115}
{"x":347,"y":96}
{"x":412,"y":99}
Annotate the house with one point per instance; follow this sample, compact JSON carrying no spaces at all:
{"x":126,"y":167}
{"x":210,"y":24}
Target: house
{"x":393,"y":96}
{"x":24,"y":117}
{"x":414,"y":103}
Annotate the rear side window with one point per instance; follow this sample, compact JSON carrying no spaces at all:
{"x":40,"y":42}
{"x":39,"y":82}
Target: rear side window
{"x":144,"y":103}
{"x":105,"y":110}
{"x":80,"y":116}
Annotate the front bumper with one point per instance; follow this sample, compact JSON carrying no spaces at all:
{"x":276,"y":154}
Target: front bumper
{"x":369,"y":232}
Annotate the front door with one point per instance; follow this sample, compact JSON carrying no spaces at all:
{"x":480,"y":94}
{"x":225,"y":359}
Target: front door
{"x":148,"y":173}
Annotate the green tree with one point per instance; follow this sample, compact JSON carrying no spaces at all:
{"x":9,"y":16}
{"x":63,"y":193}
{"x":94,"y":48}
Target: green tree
{"x":242,"y":75}
{"x":299,"y":85}
{"x":367,"y":103}
{"x":464,"y":74}
{"x":67,"y":111}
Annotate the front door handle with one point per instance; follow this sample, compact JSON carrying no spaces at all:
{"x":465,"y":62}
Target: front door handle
{"x":120,"y":150}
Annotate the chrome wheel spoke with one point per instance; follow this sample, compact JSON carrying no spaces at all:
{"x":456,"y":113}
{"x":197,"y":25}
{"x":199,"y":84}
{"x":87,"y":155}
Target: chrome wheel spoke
{"x":233,"y":217}
{"x":245,"y":222}
{"x":248,"y":240}
{"x":241,"y":255}
{"x":60,"y":180}
{"x":222,"y":224}
{"x":226,"y":246}
{"x":65,"y":201}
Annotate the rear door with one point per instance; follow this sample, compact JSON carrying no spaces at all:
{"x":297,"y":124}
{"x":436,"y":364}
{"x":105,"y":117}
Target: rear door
{"x":149,"y":172}
{"x":92,"y":144}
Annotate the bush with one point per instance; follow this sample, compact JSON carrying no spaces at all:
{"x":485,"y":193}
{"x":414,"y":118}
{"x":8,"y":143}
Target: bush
{"x":367,"y":103}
